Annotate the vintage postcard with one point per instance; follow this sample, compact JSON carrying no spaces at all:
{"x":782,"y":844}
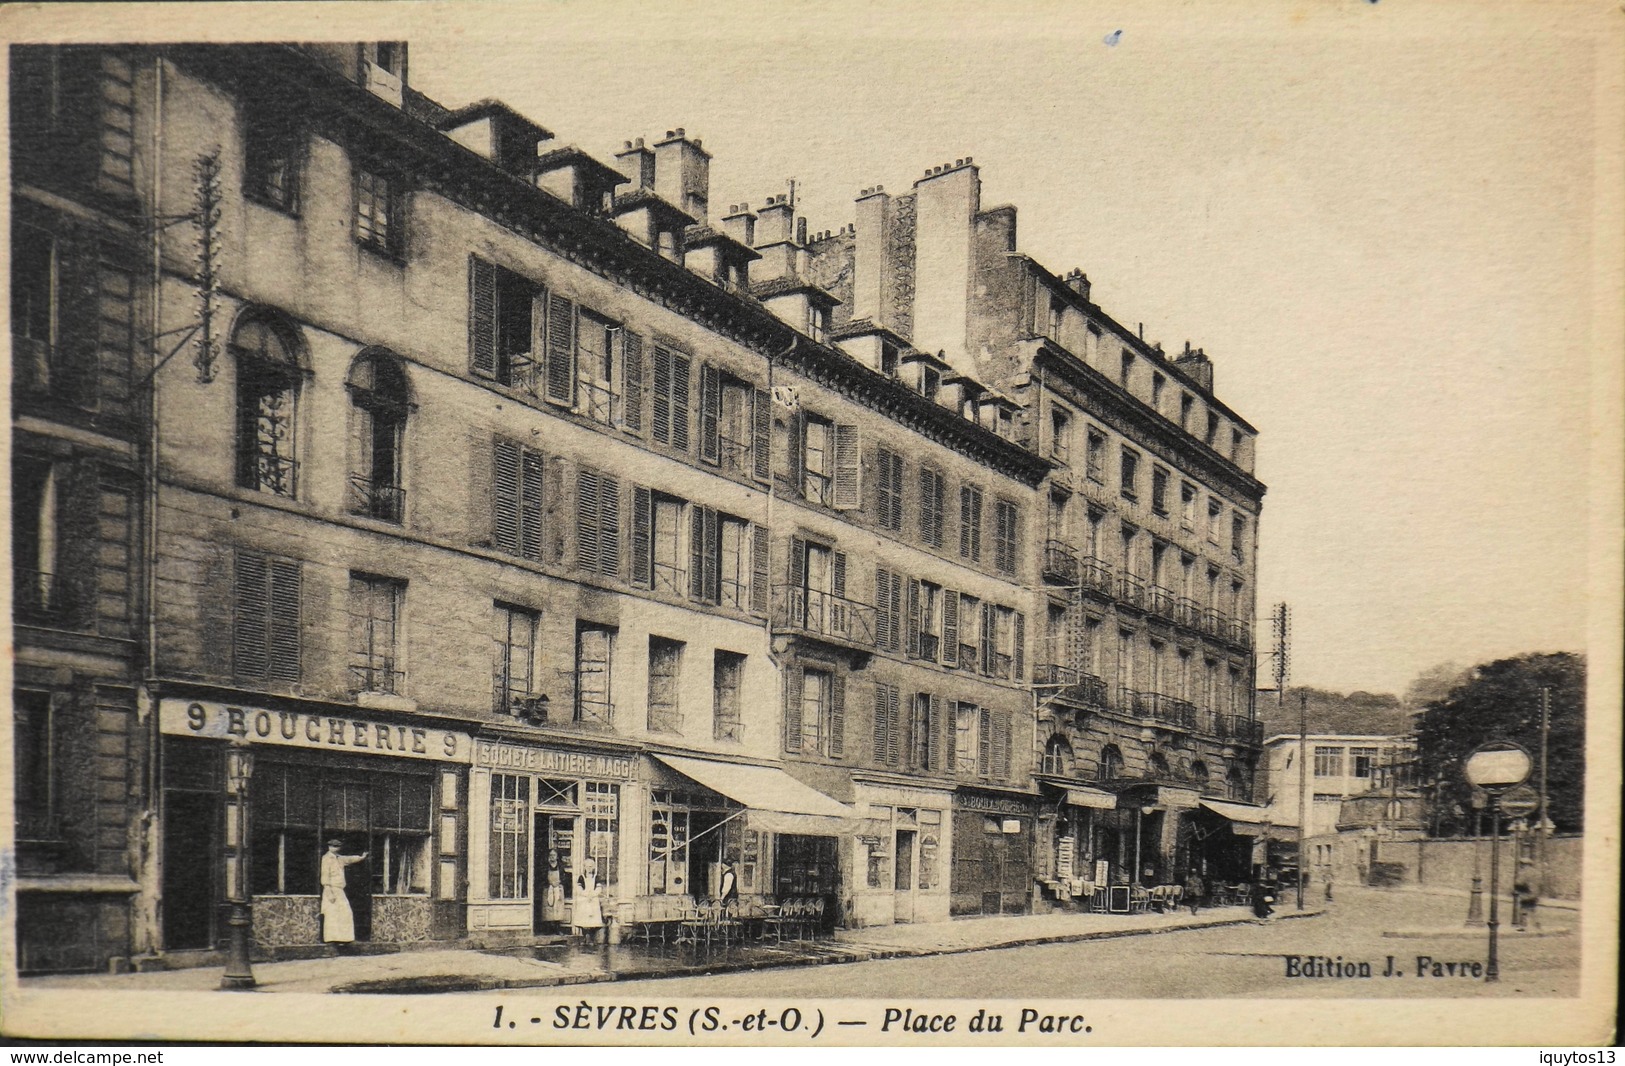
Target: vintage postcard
{"x":712,"y":524}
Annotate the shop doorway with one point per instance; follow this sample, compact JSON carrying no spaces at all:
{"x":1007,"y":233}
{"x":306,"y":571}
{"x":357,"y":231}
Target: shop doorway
{"x":705,"y":853}
{"x":555,"y":861}
{"x":904,"y":867}
{"x":191,"y":869}
{"x":808,"y":867}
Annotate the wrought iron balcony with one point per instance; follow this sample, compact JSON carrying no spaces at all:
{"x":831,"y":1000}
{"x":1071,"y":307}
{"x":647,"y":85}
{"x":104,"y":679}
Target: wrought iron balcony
{"x":669,"y":578}
{"x":1132,"y":701}
{"x":1131,"y":592}
{"x":823,"y":614}
{"x":1239,"y":633}
{"x":736,"y":456}
{"x":599,"y":402}
{"x":376,"y":499}
{"x":1060,"y":563}
{"x":377,"y":675}
{"x":1095,"y":575}
{"x":269,"y":473}
{"x":1188,"y":613}
{"x":1161,"y":602}
{"x":1170,"y":710}
{"x":1069,"y":684}
{"x":1247,"y":730}
{"x":1214,"y":623}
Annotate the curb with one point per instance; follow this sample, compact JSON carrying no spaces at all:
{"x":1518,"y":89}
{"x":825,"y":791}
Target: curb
{"x":841,"y":956}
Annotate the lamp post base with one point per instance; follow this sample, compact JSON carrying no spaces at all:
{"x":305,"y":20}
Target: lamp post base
{"x":1475,"y":904}
{"x":239,"y":975}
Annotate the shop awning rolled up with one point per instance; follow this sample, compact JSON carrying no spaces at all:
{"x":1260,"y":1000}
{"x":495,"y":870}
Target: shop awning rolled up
{"x":1091,"y":797}
{"x":774,"y":801}
{"x":1245,"y":819}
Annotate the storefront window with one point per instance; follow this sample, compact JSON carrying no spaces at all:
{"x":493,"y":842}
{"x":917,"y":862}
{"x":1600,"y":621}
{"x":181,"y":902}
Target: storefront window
{"x":510,"y":854}
{"x":930,"y":835}
{"x":689,"y":833}
{"x":400,"y":836}
{"x":602,"y":805}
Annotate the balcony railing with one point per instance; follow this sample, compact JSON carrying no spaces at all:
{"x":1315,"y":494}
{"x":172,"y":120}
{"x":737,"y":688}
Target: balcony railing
{"x":1214,"y":623}
{"x":594,"y":709}
{"x":1095,"y":575}
{"x":378,"y":676}
{"x":519,"y":371}
{"x":1131,"y":592}
{"x":599,"y":402}
{"x":40,"y":598}
{"x":999,"y":665}
{"x":1161,"y":602}
{"x":376,"y":499}
{"x":519,"y":701}
{"x":1132,"y":701}
{"x":824,"y":614}
{"x":669,"y":578}
{"x":1170,"y":710}
{"x":1187,"y":612}
{"x":1244,"y":729}
{"x":1068,"y":683}
{"x":1060,"y":563}
{"x":736,"y":456}
{"x":270,"y":473}
{"x":1239,"y":633}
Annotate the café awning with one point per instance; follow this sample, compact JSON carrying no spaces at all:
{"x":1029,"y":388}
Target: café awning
{"x":775,"y":801}
{"x":1245,"y":818}
{"x":1091,"y":797}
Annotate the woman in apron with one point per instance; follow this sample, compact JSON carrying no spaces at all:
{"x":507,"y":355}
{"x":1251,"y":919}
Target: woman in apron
{"x":588,"y":916}
{"x":553,"y":894}
{"x":338,"y":921}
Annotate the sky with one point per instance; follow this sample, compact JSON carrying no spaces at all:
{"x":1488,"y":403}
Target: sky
{"x":1379,"y":226}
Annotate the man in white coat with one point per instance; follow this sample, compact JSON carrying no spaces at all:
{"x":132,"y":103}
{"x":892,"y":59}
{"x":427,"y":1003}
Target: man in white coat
{"x":338,"y":921}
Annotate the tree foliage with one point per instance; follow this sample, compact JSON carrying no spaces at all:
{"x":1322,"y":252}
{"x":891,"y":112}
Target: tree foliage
{"x":1501,"y":701}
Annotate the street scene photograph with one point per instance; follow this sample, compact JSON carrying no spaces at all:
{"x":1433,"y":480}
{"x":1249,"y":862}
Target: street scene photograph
{"x":664,"y":524}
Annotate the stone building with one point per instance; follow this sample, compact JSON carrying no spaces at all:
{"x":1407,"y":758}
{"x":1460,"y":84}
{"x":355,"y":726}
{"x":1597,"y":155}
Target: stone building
{"x":511,"y":510}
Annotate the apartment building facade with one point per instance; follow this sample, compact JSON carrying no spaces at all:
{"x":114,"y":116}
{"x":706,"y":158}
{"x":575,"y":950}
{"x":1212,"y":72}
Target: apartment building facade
{"x":503,"y":510}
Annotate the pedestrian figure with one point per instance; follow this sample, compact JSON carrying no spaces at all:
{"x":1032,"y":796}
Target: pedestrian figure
{"x":338,"y":921}
{"x":553,"y":894}
{"x":1262,"y":897}
{"x":588,"y":915}
{"x":728,"y":883}
{"x":1195,"y":890}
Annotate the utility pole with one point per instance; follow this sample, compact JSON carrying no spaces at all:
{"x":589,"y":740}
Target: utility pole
{"x":1281,"y":623}
{"x":1303,"y":774}
{"x":1543,"y":828}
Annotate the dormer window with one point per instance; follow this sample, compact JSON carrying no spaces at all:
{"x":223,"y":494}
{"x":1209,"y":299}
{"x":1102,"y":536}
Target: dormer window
{"x":667,"y":244}
{"x":1057,"y":314}
{"x":1156,"y":393}
{"x":888,"y":359}
{"x":1127,"y":369}
{"x":930,"y":382}
{"x":1186,"y":404}
{"x":817,"y":322}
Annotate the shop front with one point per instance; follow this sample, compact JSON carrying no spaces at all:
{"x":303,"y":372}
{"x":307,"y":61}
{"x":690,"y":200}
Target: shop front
{"x":902,"y":854}
{"x":1227,"y":840}
{"x":1071,"y":860}
{"x":782,"y":838}
{"x":391,"y":794}
{"x":537,"y":814}
{"x":1144,"y":836}
{"x":993,"y":840}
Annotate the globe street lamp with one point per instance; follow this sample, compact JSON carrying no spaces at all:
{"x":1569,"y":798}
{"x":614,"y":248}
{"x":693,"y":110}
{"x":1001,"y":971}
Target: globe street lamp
{"x":1496,"y":767}
{"x":239,"y":974}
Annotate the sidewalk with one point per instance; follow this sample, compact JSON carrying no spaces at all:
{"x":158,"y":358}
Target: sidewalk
{"x":470,"y":970}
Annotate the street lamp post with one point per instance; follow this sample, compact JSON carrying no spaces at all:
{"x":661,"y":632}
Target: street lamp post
{"x":239,"y":973}
{"x":1496,"y":767}
{"x":1475,"y":900}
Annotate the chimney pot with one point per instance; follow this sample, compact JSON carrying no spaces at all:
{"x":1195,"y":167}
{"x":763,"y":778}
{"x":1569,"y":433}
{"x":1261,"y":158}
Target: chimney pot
{"x":628,"y":146}
{"x":681,"y":132}
{"x":638,"y":143}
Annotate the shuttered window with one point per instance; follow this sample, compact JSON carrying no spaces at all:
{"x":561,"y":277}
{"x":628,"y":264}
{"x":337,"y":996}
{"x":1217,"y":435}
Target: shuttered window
{"x":671,"y":398}
{"x":931,"y":503}
{"x":984,"y":742}
{"x":815,"y":713}
{"x":632,"y":383}
{"x":561,"y":350}
{"x":848,"y":468}
{"x":517,"y":499}
{"x":889,"y":489}
{"x":1004,"y":536}
{"x":761,"y":414}
{"x":266,"y":624}
{"x":710,"y":413}
{"x":888,"y":623}
{"x":970,"y":523}
{"x":598,"y":523}
{"x":760,"y":571}
{"x":950,"y":628}
{"x":705,"y":544}
{"x":926,"y":734}
{"x":886,"y":725}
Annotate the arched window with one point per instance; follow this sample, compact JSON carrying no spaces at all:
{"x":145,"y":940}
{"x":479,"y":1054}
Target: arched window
{"x":1058,"y":756}
{"x":268,"y":379}
{"x":1111,"y":763}
{"x":1236,"y":783}
{"x":1159,"y":766}
{"x":380,"y":401}
{"x":1199,"y":775}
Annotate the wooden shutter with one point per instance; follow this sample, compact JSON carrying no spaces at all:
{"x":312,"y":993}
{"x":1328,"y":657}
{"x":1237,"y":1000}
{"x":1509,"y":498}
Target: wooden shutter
{"x":1019,"y":654}
{"x":588,"y":550}
{"x":609,"y":531}
{"x":561,"y":350}
{"x":530,"y":504}
{"x":837,"y":715}
{"x":848,"y":468}
{"x":642,"y":536}
{"x":680,"y":400}
{"x":696,"y":553}
{"x":881,"y":729}
{"x":505,"y":478}
{"x":632,"y":382}
{"x":661,"y":429}
{"x":933,"y":727}
{"x":925,"y":504}
{"x":792,"y":709}
{"x":894,"y":725}
{"x":950,"y":627}
{"x":885,"y":621}
{"x":798,"y":563}
{"x":251,"y":629}
{"x":760,"y":570}
{"x":987,"y":639}
{"x":950,"y":737}
{"x":895,"y":607}
{"x":285,"y":622}
{"x":913,"y":618}
{"x":837,"y":581}
{"x":482,"y":317}
{"x":1001,"y":745}
{"x":761,"y":413}
{"x":713,"y":552}
{"x":964,"y":521}
{"x":984,"y":742}
{"x":710,"y":413}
